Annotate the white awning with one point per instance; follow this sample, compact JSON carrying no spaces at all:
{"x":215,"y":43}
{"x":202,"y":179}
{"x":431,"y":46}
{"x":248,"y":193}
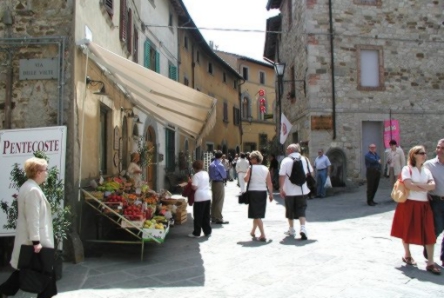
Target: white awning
{"x":192,"y":112}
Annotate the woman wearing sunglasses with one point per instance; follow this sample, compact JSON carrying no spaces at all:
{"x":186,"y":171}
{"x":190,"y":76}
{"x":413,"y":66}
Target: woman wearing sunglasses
{"x":413,"y":220}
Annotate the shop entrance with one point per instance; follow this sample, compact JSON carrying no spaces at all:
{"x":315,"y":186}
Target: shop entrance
{"x":150,"y":138}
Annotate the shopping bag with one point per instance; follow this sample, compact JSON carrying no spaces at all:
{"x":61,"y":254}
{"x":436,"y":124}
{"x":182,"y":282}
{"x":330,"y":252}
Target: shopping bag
{"x":36,"y":269}
{"x":400,"y":193}
{"x":243,"y":198}
{"x":328,"y":182}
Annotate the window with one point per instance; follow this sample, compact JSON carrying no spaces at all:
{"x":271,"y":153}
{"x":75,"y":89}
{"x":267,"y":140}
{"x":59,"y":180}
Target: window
{"x":170,"y":20}
{"x":295,"y":137}
{"x":123,"y":21}
{"x":170,"y":138}
{"x":186,"y":82}
{"x":245,"y":73}
{"x":370,"y":68}
{"x":292,"y":94}
{"x":263,"y":142}
{"x":109,"y":6}
{"x":172,"y":72}
{"x":236,"y":116}
{"x":262,"y":78}
{"x":225,"y":112}
{"x":210,"y":67}
{"x":129,"y":32}
{"x":210,"y":147}
{"x":197,"y":57}
{"x":151,"y":58}
{"x":368,"y":2}
{"x":103,"y":141}
{"x":246,"y":113}
{"x":185,"y":42}
{"x":224,"y":77}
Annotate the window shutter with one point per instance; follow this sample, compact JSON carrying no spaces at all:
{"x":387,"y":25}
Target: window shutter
{"x":123,"y":20}
{"x":136,"y":45}
{"x":234,"y":116}
{"x":129,"y":32}
{"x":146,"y":54}
{"x":109,"y":7}
{"x":157,"y":62}
{"x":173,"y":72}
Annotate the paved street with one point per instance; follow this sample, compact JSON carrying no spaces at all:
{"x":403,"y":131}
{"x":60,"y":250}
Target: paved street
{"x":349,"y":254}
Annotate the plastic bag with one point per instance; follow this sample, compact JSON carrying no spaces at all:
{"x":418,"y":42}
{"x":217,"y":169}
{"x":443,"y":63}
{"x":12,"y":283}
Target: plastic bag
{"x":327,"y":182}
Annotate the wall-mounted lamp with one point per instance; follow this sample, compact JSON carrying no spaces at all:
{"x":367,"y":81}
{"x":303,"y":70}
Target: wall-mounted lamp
{"x":129,"y":112}
{"x":94,"y":83}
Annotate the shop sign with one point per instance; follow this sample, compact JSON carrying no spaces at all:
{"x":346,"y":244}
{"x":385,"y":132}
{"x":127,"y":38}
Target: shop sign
{"x":16,"y":146}
{"x":321,"y":122}
{"x":39,"y":69}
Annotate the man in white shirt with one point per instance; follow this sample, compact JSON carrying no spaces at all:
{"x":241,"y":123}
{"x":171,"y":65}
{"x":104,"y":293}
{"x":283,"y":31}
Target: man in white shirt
{"x":294,"y":195}
{"x":242,"y":166}
{"x":322,"y":166}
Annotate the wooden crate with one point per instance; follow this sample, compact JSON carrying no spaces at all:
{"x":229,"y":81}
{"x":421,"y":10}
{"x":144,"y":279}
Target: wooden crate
{"x":180,"y":217}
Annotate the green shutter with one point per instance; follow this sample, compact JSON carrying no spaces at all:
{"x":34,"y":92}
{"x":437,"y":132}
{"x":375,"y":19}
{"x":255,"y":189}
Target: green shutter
{"x":146,"y":54}
{"x":157,"y":62}
{"x":172,"y":72}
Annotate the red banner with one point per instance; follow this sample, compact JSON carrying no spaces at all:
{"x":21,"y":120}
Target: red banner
{"x":391,"y":132}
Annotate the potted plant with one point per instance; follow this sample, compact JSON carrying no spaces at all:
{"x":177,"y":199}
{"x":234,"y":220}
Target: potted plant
{"x":53,"y":189}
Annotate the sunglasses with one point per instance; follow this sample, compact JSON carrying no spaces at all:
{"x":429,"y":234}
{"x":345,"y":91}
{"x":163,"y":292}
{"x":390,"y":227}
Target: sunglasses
{"x":420,"y":153}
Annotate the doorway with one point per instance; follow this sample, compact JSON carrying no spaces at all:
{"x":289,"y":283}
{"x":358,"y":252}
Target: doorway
{"x":150,"y":138}
{"x":372,"y":133}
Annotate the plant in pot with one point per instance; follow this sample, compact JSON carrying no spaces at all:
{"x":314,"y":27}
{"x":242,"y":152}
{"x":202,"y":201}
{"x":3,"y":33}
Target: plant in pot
{"x":53,"y":188}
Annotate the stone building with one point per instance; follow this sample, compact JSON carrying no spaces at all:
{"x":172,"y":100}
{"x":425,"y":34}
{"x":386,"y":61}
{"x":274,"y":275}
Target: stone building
{"x":116,"y":85}
{"x":258,"y":100}
{"x":353,"y":64}
{"x":201,"y":69}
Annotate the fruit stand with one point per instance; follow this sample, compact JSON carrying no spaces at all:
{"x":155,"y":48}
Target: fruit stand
{"x":146,"y":215}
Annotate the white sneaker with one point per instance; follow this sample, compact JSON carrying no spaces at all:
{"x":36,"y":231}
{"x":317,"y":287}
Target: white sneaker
{"x":303,"y":233}
{"x":192,"y":236}
{"x":290,"y":232}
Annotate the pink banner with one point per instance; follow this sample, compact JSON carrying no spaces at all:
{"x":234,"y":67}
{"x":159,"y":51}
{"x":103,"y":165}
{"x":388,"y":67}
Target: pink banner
{"x":391,"y":132}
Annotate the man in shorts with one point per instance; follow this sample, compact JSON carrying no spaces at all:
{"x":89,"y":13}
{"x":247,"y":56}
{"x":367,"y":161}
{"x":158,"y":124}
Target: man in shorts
{"x":294,"y":195}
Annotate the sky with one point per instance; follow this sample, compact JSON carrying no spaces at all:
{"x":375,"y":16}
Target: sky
{"x":232,"y":14}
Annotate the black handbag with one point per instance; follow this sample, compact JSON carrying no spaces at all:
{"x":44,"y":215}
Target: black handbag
{"x":243,"y":197}
{"x":311,"y":182}
{"x":36,"y":269}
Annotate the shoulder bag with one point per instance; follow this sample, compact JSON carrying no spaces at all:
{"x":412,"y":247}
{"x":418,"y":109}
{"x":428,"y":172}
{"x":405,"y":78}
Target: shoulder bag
{"x":36,"y":269}
{"x":399,"y":191}
{"x":311,"y":183}
{"x":243,"y":197}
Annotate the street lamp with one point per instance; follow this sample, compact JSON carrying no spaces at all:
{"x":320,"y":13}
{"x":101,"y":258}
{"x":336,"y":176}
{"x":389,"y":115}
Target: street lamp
{"x":279,"y":68}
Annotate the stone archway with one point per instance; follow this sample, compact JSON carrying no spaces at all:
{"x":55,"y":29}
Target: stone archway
{"x":338,"y":167}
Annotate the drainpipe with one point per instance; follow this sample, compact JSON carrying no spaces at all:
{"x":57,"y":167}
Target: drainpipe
{"x":332,"y":62}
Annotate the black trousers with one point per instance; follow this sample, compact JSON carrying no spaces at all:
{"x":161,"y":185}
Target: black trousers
{"x":201,"y":213}
{"x":373,"y":176}
{"x":11,"y":286}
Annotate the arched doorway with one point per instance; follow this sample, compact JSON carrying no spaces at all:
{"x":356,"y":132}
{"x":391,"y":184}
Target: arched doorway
{"x":338,"y":167}
{"x":150,"y":138}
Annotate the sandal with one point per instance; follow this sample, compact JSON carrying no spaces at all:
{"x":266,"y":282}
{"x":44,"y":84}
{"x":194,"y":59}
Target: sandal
{"x":253,"y":236}
{"x":409,"y":261}
{"x":433,"y":269}
{"x":263,"y":239}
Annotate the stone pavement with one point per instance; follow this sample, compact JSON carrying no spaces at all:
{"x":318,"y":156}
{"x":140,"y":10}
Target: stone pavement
{"x":349,"y":254}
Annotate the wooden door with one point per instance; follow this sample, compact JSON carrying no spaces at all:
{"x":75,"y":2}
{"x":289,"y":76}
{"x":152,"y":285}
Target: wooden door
{"x":150,"y":138}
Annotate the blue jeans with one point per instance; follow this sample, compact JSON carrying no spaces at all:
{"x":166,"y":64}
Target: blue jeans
{"x":438,"y":218}
{"x":321,"y":177}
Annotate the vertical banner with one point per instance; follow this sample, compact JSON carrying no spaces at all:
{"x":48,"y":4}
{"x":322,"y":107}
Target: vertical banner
{"x":16,"y":146}
{"x":391,"y":132}
{"x":285,"y":128}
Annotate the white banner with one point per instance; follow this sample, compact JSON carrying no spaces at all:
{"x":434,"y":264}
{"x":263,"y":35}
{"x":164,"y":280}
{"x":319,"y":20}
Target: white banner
{"x":16,"y":146}
{"x":285,"y":128}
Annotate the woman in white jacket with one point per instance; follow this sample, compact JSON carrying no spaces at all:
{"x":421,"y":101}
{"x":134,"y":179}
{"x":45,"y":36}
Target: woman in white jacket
{"x":34,"y":224}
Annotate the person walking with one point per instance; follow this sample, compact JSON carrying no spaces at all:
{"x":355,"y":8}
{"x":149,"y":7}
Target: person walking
{"x":294,"y":195}
{"x":436,"y":167}
{"x":242,"y":166}
{"x":217,"y":175}
{"x":413,"y":219}
{"x":202,"y":200}
{"x":233,"y":166}
{"x":395,"y":160}
{"x":34,"y":224}
{"x":260,"y":185}
{"x":274,"y":171}
{"x":227,"y":165}
{"x":373,"y":174}
{"x":322,"y":167}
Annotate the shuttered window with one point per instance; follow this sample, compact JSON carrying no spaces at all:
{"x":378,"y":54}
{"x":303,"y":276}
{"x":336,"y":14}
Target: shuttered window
{"x":151,"y":58}
{"x":129,"y":32}
{"x":136,"y":45}
{"x":157,"y":57}
{"x":172,"y":72}
{"x":123,"y":21}
{"x":109,"y":6}
{"x":146,"y":54}
{"x":170,"y":149}
{"x":236,"y":116}
{"x":225,"y":112}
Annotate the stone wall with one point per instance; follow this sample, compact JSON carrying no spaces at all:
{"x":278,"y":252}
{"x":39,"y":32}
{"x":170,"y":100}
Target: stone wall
{"x":410,"y":37}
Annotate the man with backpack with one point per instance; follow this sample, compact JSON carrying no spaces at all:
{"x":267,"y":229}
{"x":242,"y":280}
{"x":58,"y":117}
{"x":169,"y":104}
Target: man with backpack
{"x":293,"y":188}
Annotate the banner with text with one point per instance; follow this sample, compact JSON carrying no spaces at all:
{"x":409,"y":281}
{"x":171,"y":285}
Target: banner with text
{"x":391,"y":132}
{"x":16,"y":146}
